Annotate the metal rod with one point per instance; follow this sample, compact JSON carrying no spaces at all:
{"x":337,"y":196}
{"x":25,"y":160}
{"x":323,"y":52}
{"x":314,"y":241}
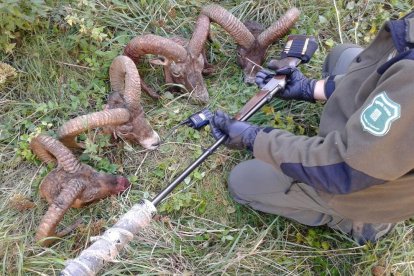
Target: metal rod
{"x":163,"y":194}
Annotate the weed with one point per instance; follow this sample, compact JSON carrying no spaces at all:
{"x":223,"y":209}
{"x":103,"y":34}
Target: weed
{"x":18,"y":17}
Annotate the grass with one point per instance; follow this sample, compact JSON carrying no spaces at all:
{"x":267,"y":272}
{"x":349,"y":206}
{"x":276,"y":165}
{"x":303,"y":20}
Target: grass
{"x":63,"y":72}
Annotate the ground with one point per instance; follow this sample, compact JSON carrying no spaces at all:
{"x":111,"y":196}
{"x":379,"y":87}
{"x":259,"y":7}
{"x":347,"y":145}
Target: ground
{"x":61,"y":51}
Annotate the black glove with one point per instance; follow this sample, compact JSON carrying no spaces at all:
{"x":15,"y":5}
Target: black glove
{"x":240,"y":134}
{"x":298,"y":87}
{"x":263,"y":77}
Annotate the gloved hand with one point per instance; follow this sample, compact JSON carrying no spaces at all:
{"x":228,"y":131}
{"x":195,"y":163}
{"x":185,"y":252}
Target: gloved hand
{"x":240,"y":134}
{"x":298,"y":87}
{"x":263,"y":77}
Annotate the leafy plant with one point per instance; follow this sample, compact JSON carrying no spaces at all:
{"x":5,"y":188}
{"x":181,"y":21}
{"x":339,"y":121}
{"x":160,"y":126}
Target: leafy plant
{"x":181,"y":201}
{"x":19,"y":16}
{"x":94,"y":150}
{"x":23,"y":145}
{"x":313,"y":238}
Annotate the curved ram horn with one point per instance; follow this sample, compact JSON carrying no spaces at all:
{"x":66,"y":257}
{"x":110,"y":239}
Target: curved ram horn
{"x":157,"y":45}
{"x":49,"y":150}
{"x":197,"y":41}
{"x":68,"y":131}
{"x":124,"y":79}
{"x":39,"y":150}
{"x":56,"y":211}
{"x":230,"y":23}
{"x":280,"y":28}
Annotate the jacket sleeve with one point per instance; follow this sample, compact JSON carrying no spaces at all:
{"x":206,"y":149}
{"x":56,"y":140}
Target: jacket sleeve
{"x":330,"y":84}
{"x":359,"y":155}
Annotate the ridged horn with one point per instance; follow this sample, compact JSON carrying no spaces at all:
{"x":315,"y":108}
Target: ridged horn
{"x":56,"y":211}
{"x":200,"y":34}
{"x":280,"y":28}
{"x":157,"y":45}
{"x":124,"y":79}
{"x":50,"y":150}
{"x":68,"y":131}
{"x":230,"y":23}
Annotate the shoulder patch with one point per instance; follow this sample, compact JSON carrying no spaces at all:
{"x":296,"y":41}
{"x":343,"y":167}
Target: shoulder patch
{"x":378,"y":116}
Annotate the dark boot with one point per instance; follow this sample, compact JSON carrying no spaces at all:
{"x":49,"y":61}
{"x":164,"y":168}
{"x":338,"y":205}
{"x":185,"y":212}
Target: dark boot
{"x":364,"y":232}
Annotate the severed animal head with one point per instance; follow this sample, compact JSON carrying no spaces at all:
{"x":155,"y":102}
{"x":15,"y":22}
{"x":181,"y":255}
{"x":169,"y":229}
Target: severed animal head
{"x":123,"y":116}
{"x":70,"y":184}
{"x":183,"y":61}
{"x":251,"y":37}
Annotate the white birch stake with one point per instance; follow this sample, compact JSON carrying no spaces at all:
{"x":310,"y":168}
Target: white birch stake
{"x":107,"y":247}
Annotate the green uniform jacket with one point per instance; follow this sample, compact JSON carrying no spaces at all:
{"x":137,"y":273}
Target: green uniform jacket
{"x":361,"y":162}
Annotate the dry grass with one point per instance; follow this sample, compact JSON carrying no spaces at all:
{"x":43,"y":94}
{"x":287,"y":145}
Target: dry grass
{"x":63,"y":72}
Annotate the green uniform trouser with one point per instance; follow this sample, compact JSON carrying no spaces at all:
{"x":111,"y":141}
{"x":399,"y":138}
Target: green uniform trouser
{"x":339,"y":59}
{"x":266,"y":189}
{"x":262,"y":187}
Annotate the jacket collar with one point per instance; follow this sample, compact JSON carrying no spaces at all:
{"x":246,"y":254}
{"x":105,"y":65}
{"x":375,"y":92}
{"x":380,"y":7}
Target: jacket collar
{"x":402,"y":32}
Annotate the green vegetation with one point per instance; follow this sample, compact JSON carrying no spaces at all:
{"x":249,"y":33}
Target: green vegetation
{"x":62,"y":50}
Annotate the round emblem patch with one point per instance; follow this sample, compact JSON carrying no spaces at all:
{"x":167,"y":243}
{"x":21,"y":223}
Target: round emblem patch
{"x":378,"y":116}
